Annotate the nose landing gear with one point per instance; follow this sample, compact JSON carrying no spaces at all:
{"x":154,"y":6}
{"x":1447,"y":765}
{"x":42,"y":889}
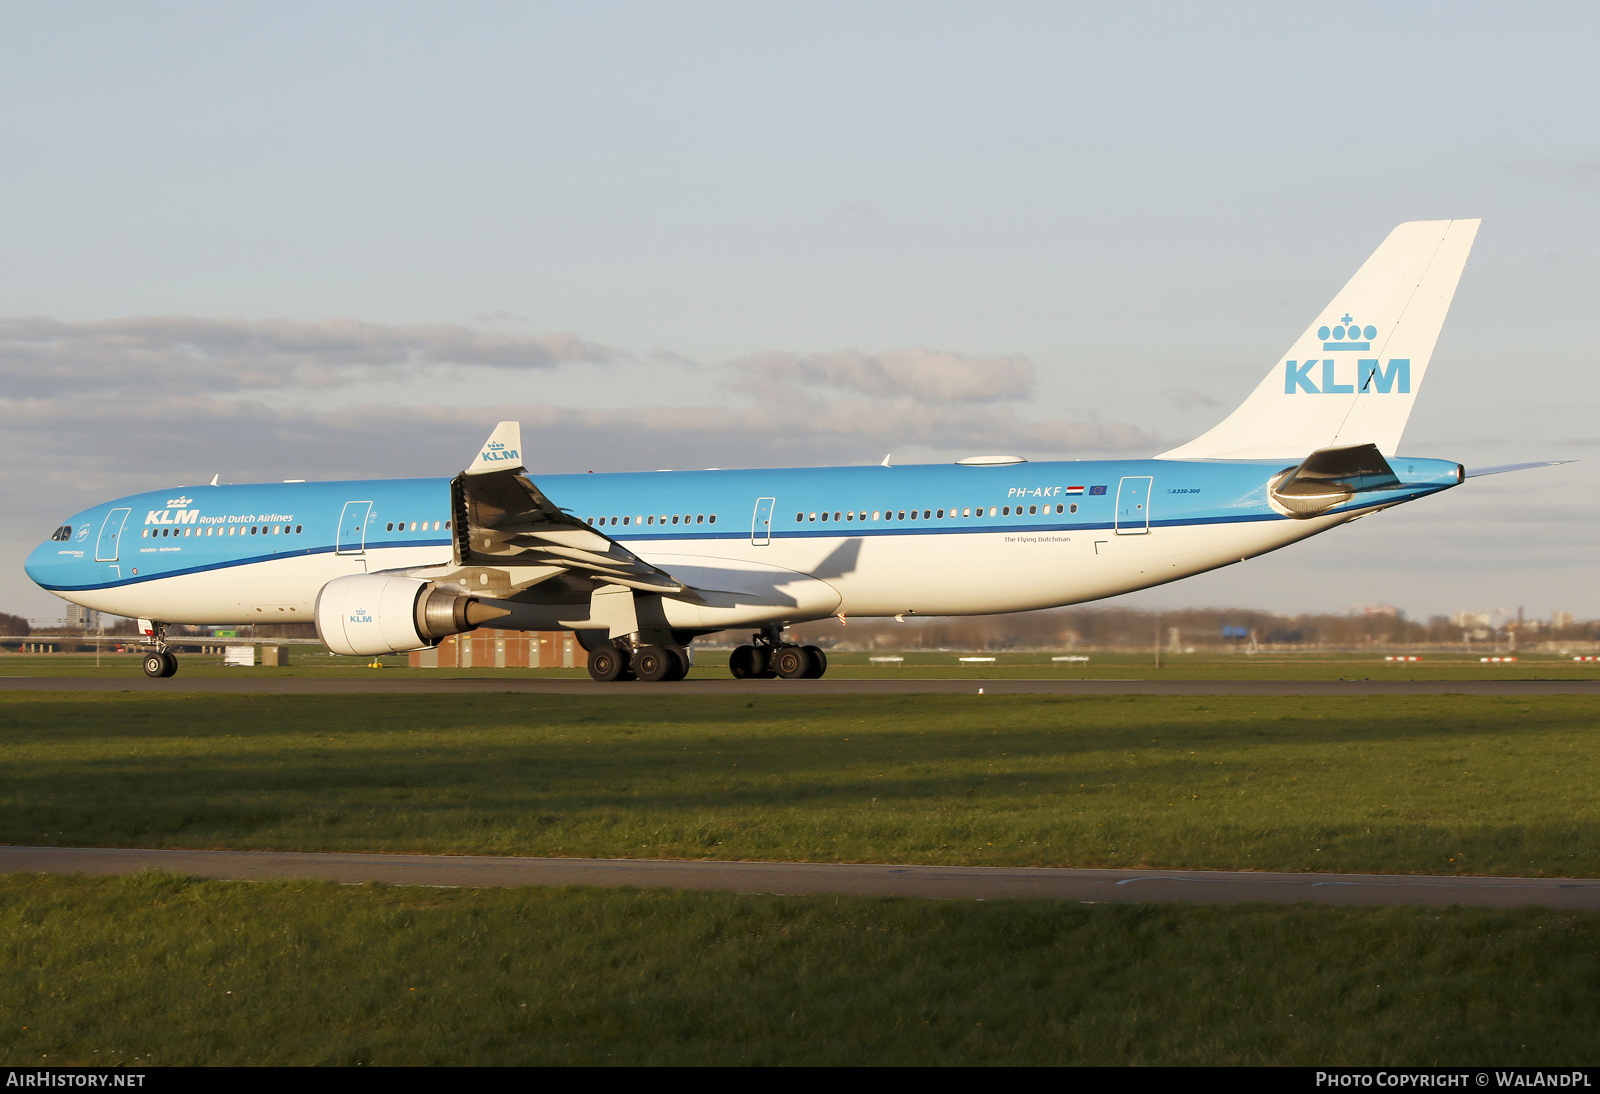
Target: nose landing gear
{"x":160,"y":662}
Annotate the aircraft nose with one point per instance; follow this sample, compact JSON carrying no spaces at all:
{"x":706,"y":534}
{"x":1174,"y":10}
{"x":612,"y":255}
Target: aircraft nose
{"x":38,"y":563}
{"x":47,"y":562}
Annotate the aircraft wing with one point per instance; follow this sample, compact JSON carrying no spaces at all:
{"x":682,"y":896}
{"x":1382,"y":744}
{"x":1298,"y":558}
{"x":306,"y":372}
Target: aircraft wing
{"x":514,"y":537}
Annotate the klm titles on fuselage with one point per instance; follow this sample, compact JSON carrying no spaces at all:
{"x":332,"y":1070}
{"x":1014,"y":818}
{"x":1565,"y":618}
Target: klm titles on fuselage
{"x":192,"y":516}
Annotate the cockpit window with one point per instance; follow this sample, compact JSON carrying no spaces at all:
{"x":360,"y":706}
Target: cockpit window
{"x":62,"y":534}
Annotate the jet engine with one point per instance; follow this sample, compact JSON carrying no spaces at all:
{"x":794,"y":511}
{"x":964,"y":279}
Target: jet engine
{"x":392,"y":613}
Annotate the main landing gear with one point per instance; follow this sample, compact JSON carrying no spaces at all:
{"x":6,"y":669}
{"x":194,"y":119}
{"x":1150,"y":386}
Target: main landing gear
{"x":650,"y":663}
{"x":768,"y":655}
{"x":160,"y":662}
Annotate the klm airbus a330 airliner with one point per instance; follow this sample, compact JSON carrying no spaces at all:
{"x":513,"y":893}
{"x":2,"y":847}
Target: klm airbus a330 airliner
{"x":639,"y":565}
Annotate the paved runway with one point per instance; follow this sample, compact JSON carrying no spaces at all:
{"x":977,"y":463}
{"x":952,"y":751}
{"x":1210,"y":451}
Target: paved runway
{"x":379,"y":684}
{"x":949,"y":882}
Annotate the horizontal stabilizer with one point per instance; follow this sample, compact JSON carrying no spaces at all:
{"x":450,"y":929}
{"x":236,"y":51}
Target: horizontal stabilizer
{"x":1355,"y":372}
{"x":1330,"y":477}
{"x":1502,"y":468}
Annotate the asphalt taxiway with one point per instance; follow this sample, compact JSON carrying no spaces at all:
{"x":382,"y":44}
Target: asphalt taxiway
{"x":810,"y":878}
{"x":378,"y":683}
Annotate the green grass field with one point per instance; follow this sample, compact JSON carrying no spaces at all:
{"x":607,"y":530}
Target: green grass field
{"x":1432,"y":784}
{"x":159,"y":970}
{"x":156,"y":970}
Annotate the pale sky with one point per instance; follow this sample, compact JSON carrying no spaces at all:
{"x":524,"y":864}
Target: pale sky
{"x":326,"y":241}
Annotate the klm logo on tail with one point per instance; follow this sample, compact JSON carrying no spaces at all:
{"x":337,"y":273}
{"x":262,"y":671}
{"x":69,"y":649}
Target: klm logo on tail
{"x":1347,"y":335}
{"x":1371,"y":377}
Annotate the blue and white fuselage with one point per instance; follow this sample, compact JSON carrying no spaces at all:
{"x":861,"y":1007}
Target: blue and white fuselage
{"x":863,"y":541}
{"x":639,"y":564}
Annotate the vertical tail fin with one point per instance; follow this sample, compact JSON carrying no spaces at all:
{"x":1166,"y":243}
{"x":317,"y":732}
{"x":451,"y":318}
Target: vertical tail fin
{"x":1352,"y":376}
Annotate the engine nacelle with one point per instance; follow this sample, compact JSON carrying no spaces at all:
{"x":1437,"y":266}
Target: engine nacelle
{"x":367,"y":614}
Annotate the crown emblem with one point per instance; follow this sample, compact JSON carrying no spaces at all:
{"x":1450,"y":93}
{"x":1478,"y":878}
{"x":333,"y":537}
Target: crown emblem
{"x":494,"y":446}
{"x":177,"y":503}
{"x":1348,"y":334}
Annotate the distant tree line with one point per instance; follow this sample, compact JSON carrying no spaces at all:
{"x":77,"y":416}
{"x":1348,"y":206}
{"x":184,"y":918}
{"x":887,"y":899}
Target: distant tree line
{"x":1201,"y":628}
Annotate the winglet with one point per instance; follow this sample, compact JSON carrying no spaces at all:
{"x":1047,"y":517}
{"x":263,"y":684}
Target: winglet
{"x":501,"y":452}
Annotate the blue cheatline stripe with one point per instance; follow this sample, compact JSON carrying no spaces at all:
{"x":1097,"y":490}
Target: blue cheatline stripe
{"x":226,"y":564}
{"x":832,"y":532}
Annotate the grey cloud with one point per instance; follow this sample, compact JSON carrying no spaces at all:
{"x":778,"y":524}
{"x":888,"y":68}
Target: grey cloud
{"x":181,"y":442}
{"x":1188,"y":398}
{"x":103,"y":409}
{"x":44,"y":356}
{"x":1582,"y":172}
{"x":928,"y":376}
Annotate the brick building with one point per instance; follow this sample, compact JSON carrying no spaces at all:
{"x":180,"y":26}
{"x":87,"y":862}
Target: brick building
{"x":487,"y":648}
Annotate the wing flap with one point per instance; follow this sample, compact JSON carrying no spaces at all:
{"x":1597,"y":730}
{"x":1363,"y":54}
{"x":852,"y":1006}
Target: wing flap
{"x":504,"y":521}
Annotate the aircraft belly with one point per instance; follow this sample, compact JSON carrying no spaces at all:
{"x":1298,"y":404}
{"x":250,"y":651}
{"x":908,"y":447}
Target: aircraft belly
{"x":1001,"y":572}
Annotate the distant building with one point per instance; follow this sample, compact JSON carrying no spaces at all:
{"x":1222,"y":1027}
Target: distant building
{"x":1470,"y":619}
{"x":79,"y":616}
{"x":1560,"y":620}
{"x":498,"y":649}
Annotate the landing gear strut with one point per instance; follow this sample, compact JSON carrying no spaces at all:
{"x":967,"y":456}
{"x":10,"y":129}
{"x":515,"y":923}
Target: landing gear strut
{"x":160,"y":662}
{"x":768,"y":655}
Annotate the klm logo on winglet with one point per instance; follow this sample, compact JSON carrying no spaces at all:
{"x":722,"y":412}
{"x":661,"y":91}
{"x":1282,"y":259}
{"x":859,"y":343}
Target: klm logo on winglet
{"x":1371,"y":377}
{"x":495,"y":452}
